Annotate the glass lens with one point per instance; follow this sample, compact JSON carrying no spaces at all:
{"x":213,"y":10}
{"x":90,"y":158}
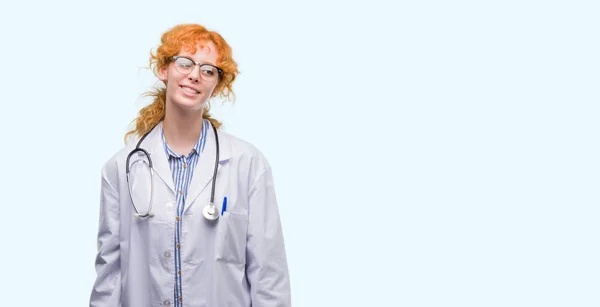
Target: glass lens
{"x":184,"y":66}
{"x":208,"y":72}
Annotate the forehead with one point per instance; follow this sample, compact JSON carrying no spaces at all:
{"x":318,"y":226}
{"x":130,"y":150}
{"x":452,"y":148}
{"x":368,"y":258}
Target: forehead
{"x":202,"y":52}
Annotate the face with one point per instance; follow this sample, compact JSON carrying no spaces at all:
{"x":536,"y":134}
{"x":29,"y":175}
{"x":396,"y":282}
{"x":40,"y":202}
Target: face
{"x":186,"y":88}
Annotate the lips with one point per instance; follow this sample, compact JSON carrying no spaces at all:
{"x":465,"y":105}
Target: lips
{"x":189,"y":89}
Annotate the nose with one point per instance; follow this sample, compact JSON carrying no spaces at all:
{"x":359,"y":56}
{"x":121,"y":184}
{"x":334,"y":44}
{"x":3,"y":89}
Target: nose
{"x":194,"y":75}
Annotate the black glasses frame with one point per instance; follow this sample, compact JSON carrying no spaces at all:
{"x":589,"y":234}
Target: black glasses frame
{"x":219,"y":70}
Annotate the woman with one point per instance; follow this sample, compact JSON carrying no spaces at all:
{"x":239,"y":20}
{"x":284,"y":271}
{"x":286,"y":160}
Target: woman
{"x":162,"y":241}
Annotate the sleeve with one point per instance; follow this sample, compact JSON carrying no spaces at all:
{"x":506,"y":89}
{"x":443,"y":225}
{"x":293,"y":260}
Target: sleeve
{"x":107,"y":286}
{"x":266,"y":263}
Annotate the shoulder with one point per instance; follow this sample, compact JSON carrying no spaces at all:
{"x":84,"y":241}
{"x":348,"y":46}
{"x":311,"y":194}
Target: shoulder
{"x":110,"y":169}
{"x":244,"y":152}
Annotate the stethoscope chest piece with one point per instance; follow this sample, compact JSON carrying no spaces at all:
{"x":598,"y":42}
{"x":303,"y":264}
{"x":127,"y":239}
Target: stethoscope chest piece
{"x":210,"y":212}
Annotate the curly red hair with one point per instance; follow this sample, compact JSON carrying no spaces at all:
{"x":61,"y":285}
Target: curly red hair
{"x":185,"y":37}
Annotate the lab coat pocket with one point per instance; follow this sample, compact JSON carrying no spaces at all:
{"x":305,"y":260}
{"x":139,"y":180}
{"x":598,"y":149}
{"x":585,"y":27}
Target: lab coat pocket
{"x":230,"y":244}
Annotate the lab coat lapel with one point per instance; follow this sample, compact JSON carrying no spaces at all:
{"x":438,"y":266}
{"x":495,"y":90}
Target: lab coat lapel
{"x":160,"y":162}
{"x":203,"y":173}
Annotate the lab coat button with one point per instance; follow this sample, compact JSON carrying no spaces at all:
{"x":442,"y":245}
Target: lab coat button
{"x":167,"y":254}
{"x":167,"y":303}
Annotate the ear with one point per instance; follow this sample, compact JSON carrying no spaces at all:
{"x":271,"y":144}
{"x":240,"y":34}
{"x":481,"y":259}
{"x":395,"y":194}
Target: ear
{"x":162,"y":74}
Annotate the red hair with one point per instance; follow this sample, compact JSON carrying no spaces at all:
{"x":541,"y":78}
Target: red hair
{"x":185,"y":37}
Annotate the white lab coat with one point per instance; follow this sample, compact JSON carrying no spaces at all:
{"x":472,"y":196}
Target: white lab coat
{"x":237,"y":260}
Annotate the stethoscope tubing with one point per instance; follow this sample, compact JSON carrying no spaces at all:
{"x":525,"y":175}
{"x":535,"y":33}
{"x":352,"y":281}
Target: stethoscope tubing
{"x":210,"y":216}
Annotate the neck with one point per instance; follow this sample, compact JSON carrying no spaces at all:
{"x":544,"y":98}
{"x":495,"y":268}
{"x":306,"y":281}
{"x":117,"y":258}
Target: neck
{"x":182,"y":130}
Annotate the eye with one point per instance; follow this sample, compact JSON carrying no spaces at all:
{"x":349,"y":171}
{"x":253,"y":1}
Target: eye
{"x":183,"y":62}
{"x":208,"y":70}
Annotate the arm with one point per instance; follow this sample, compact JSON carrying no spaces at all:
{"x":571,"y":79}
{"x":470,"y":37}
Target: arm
{"x":107,"y":287}
{"x":266,"y":268}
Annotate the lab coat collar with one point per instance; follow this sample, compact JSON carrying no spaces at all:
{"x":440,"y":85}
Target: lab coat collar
{"x":203,"y":173}
{"x":160,"y":161}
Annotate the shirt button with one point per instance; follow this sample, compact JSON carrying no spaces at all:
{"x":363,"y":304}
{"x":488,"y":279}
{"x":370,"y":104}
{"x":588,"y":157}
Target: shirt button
{"x":167,"y":254}
{"x":180,"y":299}
{"x":177,"y":219}
{"x":167,"y":303}
{"x":179,"y":272}
{"x":184,"y":165}
{"x":178,"y":245}
{"x":180,"y":192}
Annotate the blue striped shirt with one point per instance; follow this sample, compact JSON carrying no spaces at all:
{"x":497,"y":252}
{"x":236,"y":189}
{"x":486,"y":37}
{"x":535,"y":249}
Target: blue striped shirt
{"x":182,"y":168}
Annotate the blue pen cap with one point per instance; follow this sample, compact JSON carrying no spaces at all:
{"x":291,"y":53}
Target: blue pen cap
{"x":224,"y":206}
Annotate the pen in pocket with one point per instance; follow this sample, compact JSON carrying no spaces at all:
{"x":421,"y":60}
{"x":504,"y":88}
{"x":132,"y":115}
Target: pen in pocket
{"x":224,"y":207}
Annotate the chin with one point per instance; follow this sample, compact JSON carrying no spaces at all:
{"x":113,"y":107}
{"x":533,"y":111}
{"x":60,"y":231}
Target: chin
{"x":187,"y":104}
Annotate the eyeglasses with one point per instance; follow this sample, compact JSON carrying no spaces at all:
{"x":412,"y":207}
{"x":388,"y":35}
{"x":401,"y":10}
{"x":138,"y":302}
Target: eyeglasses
{"x":208,"y":72}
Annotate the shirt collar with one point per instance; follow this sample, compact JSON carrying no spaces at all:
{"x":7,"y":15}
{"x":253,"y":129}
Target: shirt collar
{"x":195,"y":150}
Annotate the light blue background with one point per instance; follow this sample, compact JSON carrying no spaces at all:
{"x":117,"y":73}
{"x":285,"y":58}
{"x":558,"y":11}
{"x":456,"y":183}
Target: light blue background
{"x":426,"y":153}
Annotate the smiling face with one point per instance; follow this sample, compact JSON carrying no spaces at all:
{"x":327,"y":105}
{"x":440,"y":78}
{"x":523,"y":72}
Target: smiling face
{"x":186,"y":89}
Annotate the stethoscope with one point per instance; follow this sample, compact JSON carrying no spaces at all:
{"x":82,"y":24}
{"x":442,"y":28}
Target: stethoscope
{"x":209,"y":211}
